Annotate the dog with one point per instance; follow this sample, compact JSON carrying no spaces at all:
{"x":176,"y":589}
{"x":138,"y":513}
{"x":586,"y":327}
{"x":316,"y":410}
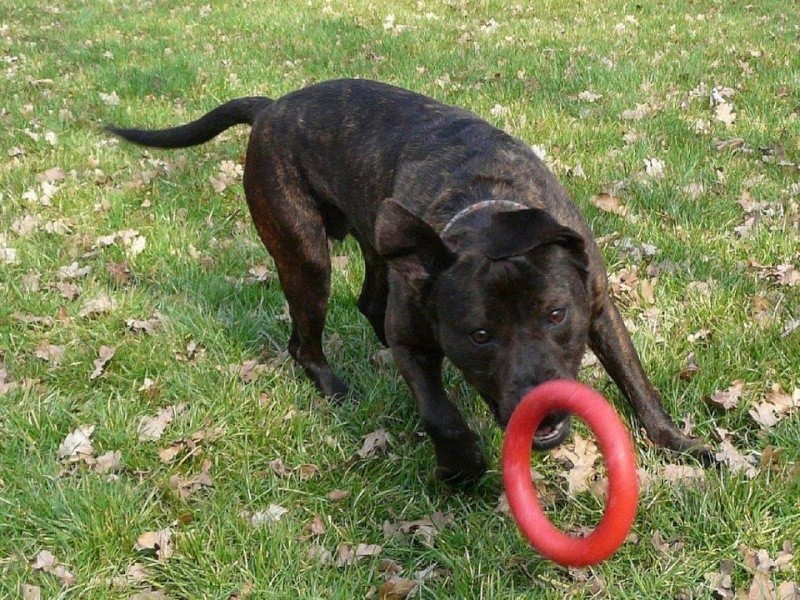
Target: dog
{"x":473,"y":252}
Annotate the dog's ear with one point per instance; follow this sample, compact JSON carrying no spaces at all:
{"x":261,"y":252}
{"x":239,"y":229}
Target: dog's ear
{"x":410,"y":245}
{"x":514,"y":233}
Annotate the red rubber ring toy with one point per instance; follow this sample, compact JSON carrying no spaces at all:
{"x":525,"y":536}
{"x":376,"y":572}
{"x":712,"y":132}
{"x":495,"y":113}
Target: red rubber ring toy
{"x":617,"y":448}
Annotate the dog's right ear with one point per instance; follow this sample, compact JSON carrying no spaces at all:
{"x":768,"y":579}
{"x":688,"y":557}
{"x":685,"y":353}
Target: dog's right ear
{"x":410,"y":245}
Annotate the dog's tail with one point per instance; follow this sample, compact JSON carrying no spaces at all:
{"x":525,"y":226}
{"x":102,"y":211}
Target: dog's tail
{"x":242,"y":111}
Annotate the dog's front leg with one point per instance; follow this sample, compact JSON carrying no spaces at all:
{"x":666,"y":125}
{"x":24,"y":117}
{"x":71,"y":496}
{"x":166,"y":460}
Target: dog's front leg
{"x":459,"y":456}
{"x":610,"y":341}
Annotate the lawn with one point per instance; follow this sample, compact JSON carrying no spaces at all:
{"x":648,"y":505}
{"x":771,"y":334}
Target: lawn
{"x":155,"y":442}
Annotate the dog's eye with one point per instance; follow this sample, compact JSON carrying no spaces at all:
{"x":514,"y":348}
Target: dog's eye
{"x":557,"y":316}
{"x":480,"y":336}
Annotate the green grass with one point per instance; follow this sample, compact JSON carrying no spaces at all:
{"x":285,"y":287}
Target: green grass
{"x":168,"y":62}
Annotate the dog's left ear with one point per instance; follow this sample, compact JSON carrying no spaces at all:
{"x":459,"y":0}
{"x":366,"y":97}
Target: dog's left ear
{"x":410,"y":245}
{"x":513,"y":233}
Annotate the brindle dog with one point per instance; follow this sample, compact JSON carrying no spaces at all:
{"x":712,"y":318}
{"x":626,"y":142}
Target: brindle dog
{"x":473,"y":251}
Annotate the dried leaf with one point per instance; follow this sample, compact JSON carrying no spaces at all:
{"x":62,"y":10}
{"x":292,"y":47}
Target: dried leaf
{"x":31,"y":592}
{"x":186,"y":486}
{"x":104,"y":356}
{"x":77,"y":446}
{"x":50,"y":352}
{"x":728,"y":398}
{"x":160,"y":541}
{"x":151,"y":428}
{"x":582,"y":454}
{"x":775,"y":407}
{"x":609,"y":203}
{"x":273,"y":514}
{"x":46,"y":562}
{"x":397,"y":588}
{"x":736,"y":461}
{"x":96,"y":306}
{"x":684,"y":474}
{"x":108,"y":462}
{"x":374,"y":442}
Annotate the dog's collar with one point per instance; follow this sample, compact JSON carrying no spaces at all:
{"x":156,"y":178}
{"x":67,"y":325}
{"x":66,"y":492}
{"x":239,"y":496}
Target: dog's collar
{"x":476,"y":207}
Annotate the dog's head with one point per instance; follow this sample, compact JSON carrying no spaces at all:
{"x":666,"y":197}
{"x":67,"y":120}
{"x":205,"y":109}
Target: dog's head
{"x":508,"y":305}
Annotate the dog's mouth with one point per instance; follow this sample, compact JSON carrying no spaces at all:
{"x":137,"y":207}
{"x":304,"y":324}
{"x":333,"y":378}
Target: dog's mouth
{"x":552,"y":431}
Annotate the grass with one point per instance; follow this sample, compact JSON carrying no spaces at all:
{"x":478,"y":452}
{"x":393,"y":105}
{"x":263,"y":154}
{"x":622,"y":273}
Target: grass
{"x":168,"y":62}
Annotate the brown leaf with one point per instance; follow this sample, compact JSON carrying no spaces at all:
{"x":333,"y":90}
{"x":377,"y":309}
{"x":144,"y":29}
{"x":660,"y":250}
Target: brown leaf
{"x":120,"y":272}
{"x":160,"y":541}
{"x":582,"y":454}
{"x":96,"y":306}
{"x":5,"y":386}
{"x":684,"y":474}
{"x":77,"y":446}
{"x":374,"y":442}
{"x":109,"y":462}
{"x":46,"y":562}
{"x":31,"y":592}
{"x":68,"y":291}
{"x":337,"y":495}
{"x":728,"y":398}
{"x":736,"y":461}
{"x":775,"y":407}
{"x":105,"y":354}
{"x":609,"y":203}
{"x":721,"y":582}
{"x":273,"y":514}
{"x":147,"y":326}
{"x":307,"y":472}
{"x":367,"y":550}
{"x":397,"y":588}
{"x":317,"y":525}
{"x":151,"y":428}
{"x":186,"y":486}
{"x":50,"y":352}
{"x":72,"y":271}
{"x":690,"y":368}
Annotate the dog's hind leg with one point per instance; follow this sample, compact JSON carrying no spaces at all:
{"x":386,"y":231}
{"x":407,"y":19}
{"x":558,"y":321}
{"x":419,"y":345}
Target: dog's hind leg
{"x":374,"y":291}
{"x":293,"y":230}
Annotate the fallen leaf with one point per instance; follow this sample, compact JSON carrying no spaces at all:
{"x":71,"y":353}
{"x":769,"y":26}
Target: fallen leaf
{"x":50,"y":352}
{"x":108,"y":462}
{"x":337,"y":495}
{"x":728,"y":398}
{"x":397,"y":588}
{"x":104,"y":356}
{"x":151,"y":428}
{"x":775,"y":407}
{"x":186,"y":486}
{"x":31,"y":592}
{"x":5,"y":386}
{"x":582,"y":454}
{"x":721,"y":582}
{"x":96,"y":306}
{"x":72,"y":271}
{"x":690,"y":367}
{"x":374,"y":442}
{"x":273,"y":514}
{"x":317,"y":525}
{"x":736,"y":461}
{"x":609,"y":203}
{"x":319,"y":553}
{"x":77,"y":446}
{"x":69,"y":291}
{"x":684,"y":474}
{"x":46,"y":562}
{"x":147,"y":326}
{"x":654,"y":167}
{"x":160,"y":541}
{"x":367,"y":550}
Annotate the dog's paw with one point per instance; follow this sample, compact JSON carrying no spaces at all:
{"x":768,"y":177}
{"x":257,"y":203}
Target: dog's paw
{"x":460,"y":462}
